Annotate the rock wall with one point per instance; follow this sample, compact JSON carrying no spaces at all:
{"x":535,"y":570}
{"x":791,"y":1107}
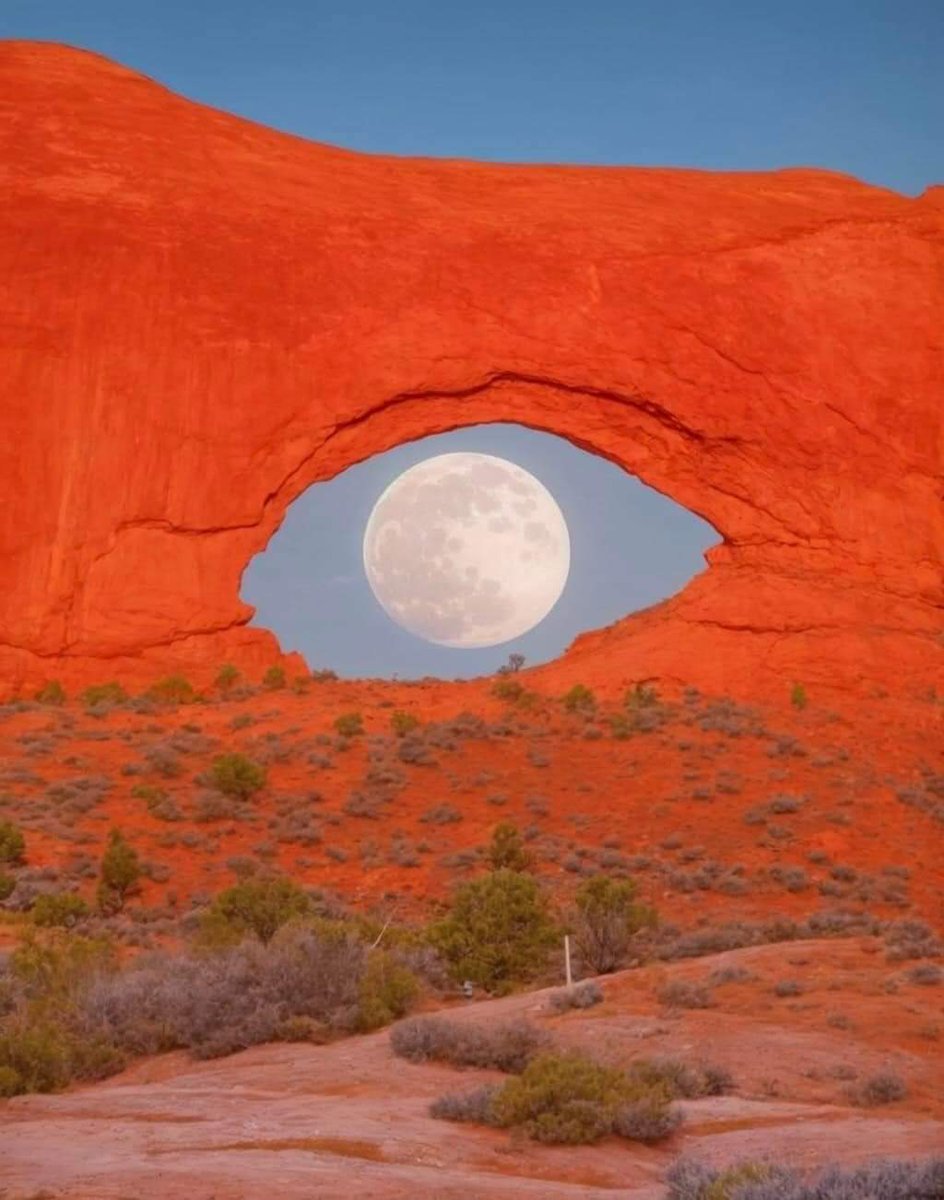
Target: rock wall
{"x":201,"y":317}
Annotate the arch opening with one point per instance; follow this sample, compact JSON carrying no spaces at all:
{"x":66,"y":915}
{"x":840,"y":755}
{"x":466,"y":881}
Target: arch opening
{"x":631,"y":547}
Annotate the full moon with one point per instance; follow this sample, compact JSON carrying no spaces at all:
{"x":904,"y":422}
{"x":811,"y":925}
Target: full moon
{"x":467,"y":550}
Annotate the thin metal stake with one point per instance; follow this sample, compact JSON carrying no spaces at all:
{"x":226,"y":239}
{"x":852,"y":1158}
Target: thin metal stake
{"x":570,"y":978}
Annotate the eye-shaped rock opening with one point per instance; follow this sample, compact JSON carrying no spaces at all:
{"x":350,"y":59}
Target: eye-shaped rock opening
{"x":630,"y":547}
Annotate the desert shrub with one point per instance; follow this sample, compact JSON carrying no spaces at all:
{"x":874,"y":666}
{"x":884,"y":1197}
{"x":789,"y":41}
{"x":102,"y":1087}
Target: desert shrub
{"x":883,"y":1088}
{"x":58,"y":908}
{"x":788,"y":987}
{"x":159,"y":803}
{"x":506,"y":849}
{"x":648,"y":1119}
{"x":692,"y":1180}
{"x":582,"y":995}
{"x":497,"y":932}
{"x":273,"y":679}
{"x":120,"y":873}
{"x":927,"y":974}
{"x":910,"y":939}
{"x":7,"y":886}
{"x":732,"y":974}
{"x":257,"y":905}
{"x":349,"y":724}
{"x":682,"y":1080}
{"x":569,"y":1099}
{"x":215,"y":1004}
{"x":505,"y":1046}
{"x":507,"y":689}
{"x":579,"y":699}
{"x":387,"y":991}
{"x":683,"y":993}
{"x":880,"y":1179}
{"x":104,"y":693}
{"x":441,"y":814}
{"x":798,"y":697}
{"x":51,"y":693}
{"x":226,"y":677}
{"x":324,"y":675}
{"x":606,"y":918}
{"x":474,"y":1106}
{"x":174,"y":689}
{"x":12,"y":844}
{"x":641,"y":695}
{"x":237,"y":775}
{"x":403,"y":723}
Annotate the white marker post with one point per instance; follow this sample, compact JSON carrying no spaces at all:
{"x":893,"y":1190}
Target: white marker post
{"x":567,"y":971}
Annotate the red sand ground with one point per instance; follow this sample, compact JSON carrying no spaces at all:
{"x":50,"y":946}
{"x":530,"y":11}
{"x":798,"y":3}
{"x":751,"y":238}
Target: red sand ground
{"x":660,"y":795}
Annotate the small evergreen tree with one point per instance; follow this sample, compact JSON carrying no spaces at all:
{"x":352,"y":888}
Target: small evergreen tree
{"x":260,"y":906}
{"x":606,"y":919}
{"x":12,"y":843}
{"x":226,"y":677}
{"x":51,"y":693}
{"x":498,"y":931}
{"x":120,"y":873}
{"x":506,"y":849}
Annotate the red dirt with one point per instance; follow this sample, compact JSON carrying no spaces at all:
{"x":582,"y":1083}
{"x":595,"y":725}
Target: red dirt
{"x":334,"y":1120}
{"x":866,"y":789}
{"x":204,"y":317}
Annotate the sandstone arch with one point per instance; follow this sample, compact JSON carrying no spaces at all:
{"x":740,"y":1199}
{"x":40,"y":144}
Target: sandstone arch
{"x":206,"y":316}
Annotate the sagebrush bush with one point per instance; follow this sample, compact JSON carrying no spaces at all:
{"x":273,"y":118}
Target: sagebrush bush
{"x":498,"y":931}
{"x":505,"y":1046}
{"x":349,"y":724}
{"x":474,"y":1106}
{"x":682,"y":1080}
{"x":237,"y":775}
{"x":881,"y":1179}
{"x":403,"y":723}
{"x":582,"y":995}
{"x":71,"y":1013}
{"x":59,"y":908}
{"x":648,"y":1119}
{"x":569,"y":1099}
{"x":883,"y":1088}
{"x":681,"y":993}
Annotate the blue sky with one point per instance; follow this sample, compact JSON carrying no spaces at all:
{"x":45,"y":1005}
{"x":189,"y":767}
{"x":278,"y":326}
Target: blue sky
{"x":853,"y":85}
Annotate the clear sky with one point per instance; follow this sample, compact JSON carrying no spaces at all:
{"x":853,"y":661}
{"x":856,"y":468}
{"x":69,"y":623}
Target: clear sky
{"x":852,"y":85}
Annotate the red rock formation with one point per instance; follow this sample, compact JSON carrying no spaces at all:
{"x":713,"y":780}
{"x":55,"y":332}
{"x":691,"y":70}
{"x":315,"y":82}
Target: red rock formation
{"x":201,"y":317}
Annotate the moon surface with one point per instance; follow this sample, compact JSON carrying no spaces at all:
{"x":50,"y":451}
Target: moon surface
{"x":467,"y":550}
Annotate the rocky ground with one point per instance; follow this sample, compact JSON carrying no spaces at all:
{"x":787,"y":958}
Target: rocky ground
{"x":348,"y":1118}
{"x":721,"y":811}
